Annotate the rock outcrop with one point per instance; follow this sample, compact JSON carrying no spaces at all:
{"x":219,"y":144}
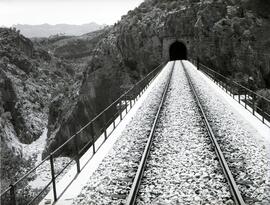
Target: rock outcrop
{"x":230,"y":36}
{"x":30,"y":78}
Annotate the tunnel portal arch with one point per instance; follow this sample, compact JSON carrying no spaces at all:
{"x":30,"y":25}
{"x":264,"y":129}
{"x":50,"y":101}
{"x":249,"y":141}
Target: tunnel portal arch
{"x":178,"y":51}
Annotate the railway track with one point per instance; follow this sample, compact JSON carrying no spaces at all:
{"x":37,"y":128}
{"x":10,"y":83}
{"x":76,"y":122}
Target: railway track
{"x":139,"y":174}
{"x":134,"y":191}
{"x":233,"y":187}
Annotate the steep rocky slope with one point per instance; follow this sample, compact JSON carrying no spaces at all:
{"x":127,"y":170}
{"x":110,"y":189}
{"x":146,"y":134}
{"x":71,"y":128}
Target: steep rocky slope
{"x":231,"y":36}
{"x":30,"y":78}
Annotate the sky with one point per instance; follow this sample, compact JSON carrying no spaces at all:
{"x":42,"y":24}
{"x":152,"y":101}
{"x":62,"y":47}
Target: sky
{"x":35,"y":12}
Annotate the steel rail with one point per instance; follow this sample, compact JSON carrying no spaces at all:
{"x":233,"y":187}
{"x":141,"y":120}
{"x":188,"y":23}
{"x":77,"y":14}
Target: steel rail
{"x":131,"y":199}
{"x":140,"y":83}
{"x":238,"y":199}
{"x":100,"y":114}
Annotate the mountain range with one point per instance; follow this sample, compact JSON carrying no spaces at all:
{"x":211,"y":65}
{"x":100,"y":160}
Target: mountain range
{"x":46,"y":30}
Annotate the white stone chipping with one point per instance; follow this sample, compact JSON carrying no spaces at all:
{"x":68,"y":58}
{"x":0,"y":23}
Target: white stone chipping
{"x":245,"y":149}
{"x":182,"y":167}
{"x":112,"y":180}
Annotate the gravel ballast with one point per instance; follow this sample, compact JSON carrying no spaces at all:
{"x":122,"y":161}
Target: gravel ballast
{"x":182,"y":167}
{"x":112,"y":180}
{"x":244,"y":149}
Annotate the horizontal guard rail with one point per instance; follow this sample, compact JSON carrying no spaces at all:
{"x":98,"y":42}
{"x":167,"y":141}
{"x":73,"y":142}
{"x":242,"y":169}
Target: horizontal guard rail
{"x":233,"y":88}
{"x":124,"y":101}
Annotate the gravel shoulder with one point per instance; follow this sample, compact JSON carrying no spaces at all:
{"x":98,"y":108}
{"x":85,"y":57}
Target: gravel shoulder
{"x":244,"y":149}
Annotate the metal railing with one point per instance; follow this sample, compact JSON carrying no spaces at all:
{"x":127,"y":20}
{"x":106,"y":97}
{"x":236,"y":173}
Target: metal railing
{"x":258,"y":105}
{"x":15,"y":193}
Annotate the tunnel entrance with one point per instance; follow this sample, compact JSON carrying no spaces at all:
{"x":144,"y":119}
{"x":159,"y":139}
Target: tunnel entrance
{"x":178,"y":51}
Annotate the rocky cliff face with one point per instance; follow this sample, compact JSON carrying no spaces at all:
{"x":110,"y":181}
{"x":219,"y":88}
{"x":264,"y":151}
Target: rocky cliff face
{"x":19,"y":92}
{"x":235,"y":43}
{"x":30,"y":78}
{"x":231,"y":36}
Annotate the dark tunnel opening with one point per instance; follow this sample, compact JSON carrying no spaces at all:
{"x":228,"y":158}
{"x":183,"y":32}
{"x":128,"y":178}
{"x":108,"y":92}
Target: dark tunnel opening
{"x":178,"y":51}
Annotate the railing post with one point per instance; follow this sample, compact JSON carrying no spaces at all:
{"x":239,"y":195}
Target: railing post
{"x":105,"y":133}
{"x":12,"y":195}
{"x":93,"y":137}
{"x":53,"y":178}
{"x":246,"y":99}
{"x":120,"y":110}
{"x":130,"y":102}
{"x":263,"y":112}
{"x":239,"y":96}
{"x":77,"y":157}
{"x":198,"y":63}
{"x":126,"y":103}
{"x":114,"y":124}
{"x":140,"y":94}
{"x":253,"y":104}
{"x":137,"y":92}
{"x":104,"y":126}
{"x":233,"y":91}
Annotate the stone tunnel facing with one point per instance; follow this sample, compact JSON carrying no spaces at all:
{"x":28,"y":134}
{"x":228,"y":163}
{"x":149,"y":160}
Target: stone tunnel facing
{"x":178,"y":51}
